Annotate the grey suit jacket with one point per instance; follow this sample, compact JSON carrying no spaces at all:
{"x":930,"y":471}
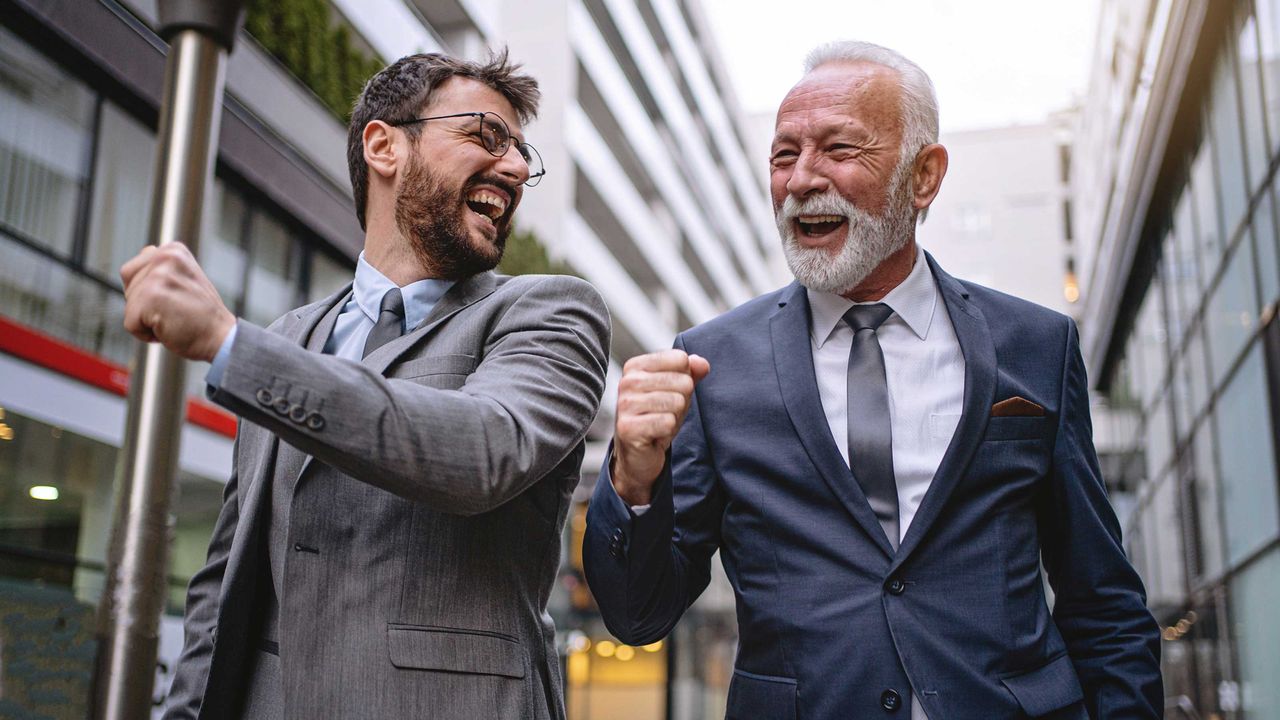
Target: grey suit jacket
{"x":427,"y":488}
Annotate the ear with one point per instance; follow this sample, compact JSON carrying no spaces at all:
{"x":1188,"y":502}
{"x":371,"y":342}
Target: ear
{"x":381,"y":153}
{"x":930,"y":167}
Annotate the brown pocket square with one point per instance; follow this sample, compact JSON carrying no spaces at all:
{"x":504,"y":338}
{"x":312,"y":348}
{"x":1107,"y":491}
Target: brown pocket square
{"x":1016,"y":407}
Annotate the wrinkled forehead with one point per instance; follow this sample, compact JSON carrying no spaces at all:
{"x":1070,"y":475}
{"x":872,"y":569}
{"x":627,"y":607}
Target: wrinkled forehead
{"x":842,"y":94}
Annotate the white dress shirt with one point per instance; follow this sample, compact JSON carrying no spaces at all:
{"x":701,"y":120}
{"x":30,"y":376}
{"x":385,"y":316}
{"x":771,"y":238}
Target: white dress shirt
{"x":925,"y":372}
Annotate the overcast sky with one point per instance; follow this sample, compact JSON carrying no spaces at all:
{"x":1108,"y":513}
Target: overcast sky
{"x":994,"y":62}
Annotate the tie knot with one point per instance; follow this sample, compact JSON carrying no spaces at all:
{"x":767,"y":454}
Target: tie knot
{"x":867,"y":317}
{"x":392,"y":302}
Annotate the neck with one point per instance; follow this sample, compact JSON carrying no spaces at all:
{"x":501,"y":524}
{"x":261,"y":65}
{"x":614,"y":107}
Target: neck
{"x":888,"y":275}
{"x":389,"y":252}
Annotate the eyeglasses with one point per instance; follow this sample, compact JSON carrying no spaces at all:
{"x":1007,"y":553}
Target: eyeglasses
{"x":495,"y":136}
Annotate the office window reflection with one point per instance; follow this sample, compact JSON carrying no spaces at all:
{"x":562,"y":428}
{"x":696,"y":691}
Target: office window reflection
{"x":1247,"y":462}
{"x":122,"y":196}
{"x":274,"y":271}
{"x":46,"y":121}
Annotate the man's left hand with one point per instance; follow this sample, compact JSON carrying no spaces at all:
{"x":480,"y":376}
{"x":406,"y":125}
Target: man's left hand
{"x":169,"y":299}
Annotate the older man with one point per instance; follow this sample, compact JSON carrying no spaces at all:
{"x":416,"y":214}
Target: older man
{"x":882,"y":454}
{"x":408,"y":446}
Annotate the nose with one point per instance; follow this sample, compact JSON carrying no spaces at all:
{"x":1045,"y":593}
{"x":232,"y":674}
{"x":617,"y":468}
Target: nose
{"x":512,"y":165}
{"x":806,"y":178}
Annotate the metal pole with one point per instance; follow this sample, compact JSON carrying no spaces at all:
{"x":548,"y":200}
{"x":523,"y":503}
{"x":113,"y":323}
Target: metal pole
{"x":200,"y":36}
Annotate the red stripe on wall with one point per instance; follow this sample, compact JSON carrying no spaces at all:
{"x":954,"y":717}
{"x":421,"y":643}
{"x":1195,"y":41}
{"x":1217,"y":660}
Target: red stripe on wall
{"x":49,"y":352}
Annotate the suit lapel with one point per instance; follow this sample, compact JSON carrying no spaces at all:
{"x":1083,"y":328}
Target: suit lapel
{"x":460,"y":296}
{"x":789,"y":328}
{"x":979,"y":392}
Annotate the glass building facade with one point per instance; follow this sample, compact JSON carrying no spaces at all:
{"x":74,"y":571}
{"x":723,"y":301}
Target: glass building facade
{"x":1194,"y":351}
{"x":76,"y":166}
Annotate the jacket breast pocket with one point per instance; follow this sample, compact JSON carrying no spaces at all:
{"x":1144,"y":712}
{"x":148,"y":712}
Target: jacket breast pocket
{"x":424,"y":647}
{"x":1052,"y":690}
{"x":753,"y":696}
{"x":1016,"y":428}
{"x":435,"y":370}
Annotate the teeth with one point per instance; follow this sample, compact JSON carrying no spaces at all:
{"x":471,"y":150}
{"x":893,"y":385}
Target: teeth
{"x":816,"y":219}
{"x":487,"y":198}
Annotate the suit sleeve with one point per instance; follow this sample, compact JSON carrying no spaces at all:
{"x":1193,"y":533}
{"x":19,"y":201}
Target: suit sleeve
{"x":191,"y":675}
{"x":1100,"y":604}
{"x":646,"y":570}
{"x":526,"y":406}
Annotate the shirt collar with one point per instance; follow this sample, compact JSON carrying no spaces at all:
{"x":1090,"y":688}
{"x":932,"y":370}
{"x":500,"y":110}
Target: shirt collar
{"x":913,"y":301}
{"x":419,"y":297}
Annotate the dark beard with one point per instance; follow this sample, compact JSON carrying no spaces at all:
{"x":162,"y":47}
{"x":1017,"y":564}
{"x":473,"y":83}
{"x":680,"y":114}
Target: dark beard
{"x":431,"y":219}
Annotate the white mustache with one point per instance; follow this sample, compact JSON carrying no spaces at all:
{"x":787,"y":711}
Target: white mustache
{"x":828,"y":203}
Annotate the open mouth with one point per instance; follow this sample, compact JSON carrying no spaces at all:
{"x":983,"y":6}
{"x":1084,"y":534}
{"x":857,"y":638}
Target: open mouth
{"x":487,"y":204}
{"x":819,"y":225}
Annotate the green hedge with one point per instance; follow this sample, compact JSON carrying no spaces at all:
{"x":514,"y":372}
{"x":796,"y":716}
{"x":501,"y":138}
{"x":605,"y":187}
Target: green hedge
{"x":300,"y":35}
{"x":525,"y":255}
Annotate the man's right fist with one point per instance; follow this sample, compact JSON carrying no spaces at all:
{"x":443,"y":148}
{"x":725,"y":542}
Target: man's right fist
{"x":653,"y":397}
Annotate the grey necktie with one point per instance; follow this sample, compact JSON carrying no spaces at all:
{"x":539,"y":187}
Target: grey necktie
{"x":390,"y":323}
{"x":870,"y":434}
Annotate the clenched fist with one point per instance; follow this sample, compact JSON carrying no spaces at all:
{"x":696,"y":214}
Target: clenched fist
{"x":168,"y":299}
{"x":653,"y":397}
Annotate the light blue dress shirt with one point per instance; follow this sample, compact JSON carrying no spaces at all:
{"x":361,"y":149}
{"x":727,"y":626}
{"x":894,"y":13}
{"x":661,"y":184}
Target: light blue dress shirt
{"x":357,"y":317}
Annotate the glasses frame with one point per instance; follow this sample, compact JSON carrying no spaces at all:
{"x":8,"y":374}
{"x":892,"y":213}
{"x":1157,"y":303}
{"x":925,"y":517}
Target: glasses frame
{"x":527,"y":151}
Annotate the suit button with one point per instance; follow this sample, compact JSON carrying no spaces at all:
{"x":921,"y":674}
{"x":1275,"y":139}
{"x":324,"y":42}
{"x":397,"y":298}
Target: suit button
{"x":298,"y":414}
{"x":264,"y":396}
{"x":615,"y":544}
{"x":281,"y":406}
{"x":890,"y":700}
{"x":315,"y":421}
{"x":896,"y":586}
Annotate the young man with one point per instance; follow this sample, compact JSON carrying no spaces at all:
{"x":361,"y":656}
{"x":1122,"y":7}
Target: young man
{"x":408,"y":446}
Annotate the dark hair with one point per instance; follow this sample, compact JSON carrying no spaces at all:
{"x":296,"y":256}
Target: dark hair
{"x":401,"y":90}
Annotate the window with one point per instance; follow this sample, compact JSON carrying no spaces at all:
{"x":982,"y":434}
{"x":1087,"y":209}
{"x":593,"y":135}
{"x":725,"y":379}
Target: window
{"x":1268,"y":18}
{"x":1253,"y":597}
{"x":1204,"y":207}
{"x":1159,"y":437}
{"x":46,"y":126}
{"x":1224,"y":123}
{"x":1150,"y":335}
{"x":121,"y":193}
{"x":1247,"y":460}
{"x":1232,"y":313}
{"x":1189,"y":281}
{"x":327,"y":275}
{"x":1207,"y":506}
{"x":1197,"y":371}
{"x":1264,"y":237}
{"x":273,"y":287}
{"x":222,"y":247}
{"x":1251,"y":101}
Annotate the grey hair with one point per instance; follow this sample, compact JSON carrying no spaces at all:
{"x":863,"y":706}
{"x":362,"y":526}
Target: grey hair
{"x":919,"y":101}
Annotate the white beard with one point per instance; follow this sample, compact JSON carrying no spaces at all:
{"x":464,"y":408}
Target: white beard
{"x":870,"y":241}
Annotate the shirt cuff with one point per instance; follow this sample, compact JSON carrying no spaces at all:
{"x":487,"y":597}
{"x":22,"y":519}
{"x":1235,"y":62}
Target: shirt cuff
{"x":213,"y":378}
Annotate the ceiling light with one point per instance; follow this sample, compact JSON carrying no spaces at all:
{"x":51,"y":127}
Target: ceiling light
{"x":43,"y":492}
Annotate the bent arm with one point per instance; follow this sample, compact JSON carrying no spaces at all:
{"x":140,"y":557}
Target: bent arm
{"x":1100,"y":604}
{"x":646,"y":569}
{"x":466,"y":451}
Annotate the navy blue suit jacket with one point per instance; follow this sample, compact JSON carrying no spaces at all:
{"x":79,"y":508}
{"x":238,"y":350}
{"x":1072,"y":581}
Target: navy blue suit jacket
{"x":832,"y":622}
